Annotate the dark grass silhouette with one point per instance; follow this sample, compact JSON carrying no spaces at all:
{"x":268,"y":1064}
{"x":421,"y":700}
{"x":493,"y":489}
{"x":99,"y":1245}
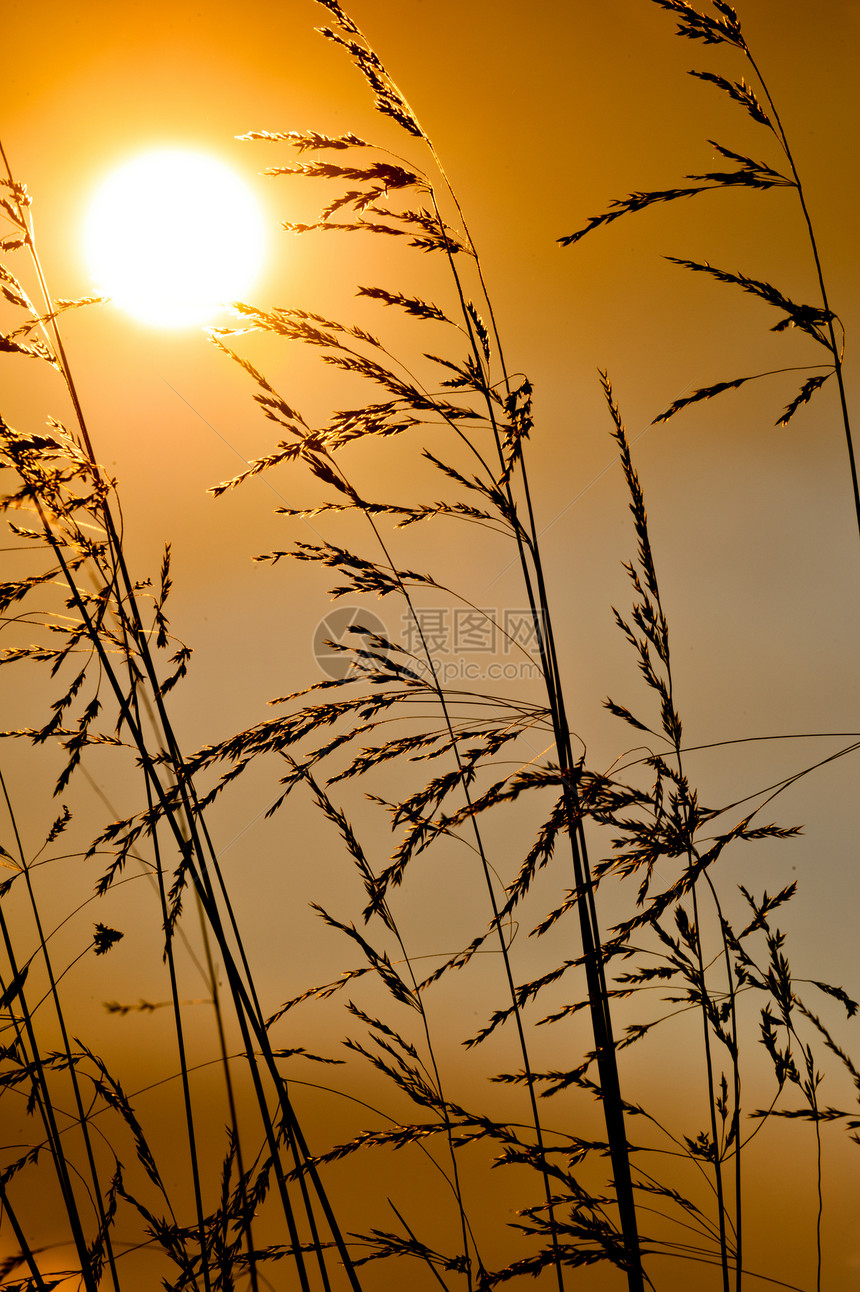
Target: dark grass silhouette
{"x":615,"y":1197}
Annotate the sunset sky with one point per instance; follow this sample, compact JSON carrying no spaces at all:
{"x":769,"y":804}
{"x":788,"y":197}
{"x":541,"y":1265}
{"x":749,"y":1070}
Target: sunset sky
{"x":541,"y":114}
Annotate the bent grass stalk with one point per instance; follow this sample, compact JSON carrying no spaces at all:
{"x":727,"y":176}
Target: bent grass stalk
{"x":817,"y":321}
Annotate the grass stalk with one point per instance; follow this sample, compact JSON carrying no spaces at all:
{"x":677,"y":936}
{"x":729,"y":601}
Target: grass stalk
{"x":212,"y":975}
{"x":528,"y":546}
{"x":42,"y":1100}
{"x":27,"y":1256}
{"x":160,"y":801}
{"x":60,"y":1015}
{"x":835,"y":348}
{"x":677,"y":939}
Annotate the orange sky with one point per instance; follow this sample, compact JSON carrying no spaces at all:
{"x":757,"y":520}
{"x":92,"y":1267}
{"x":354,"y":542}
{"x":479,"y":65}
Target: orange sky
{"x":541,"y":113}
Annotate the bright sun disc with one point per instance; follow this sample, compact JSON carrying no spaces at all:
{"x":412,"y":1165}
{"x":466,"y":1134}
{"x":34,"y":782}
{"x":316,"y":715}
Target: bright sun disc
{"x":172,"y":236}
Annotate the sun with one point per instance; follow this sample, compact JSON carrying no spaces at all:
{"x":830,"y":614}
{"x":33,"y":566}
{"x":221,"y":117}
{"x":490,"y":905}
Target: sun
{"x":172,"y":236}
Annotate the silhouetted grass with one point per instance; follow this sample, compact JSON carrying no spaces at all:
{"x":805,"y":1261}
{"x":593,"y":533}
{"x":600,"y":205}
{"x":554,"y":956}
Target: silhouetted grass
{"x":444,"y":765}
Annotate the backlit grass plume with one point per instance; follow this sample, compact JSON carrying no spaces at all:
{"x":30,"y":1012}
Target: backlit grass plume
{"x":817,"y":321}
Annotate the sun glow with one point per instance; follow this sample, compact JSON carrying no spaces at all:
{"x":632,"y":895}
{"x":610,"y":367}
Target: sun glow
{"x":172,"y":236}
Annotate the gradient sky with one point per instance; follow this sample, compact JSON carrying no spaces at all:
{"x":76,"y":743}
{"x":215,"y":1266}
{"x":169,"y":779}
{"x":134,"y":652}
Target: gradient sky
{"x":541,"y":114}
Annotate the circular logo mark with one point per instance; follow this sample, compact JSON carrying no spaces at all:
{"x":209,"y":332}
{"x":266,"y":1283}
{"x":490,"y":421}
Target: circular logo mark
{"x":339,"y":634}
